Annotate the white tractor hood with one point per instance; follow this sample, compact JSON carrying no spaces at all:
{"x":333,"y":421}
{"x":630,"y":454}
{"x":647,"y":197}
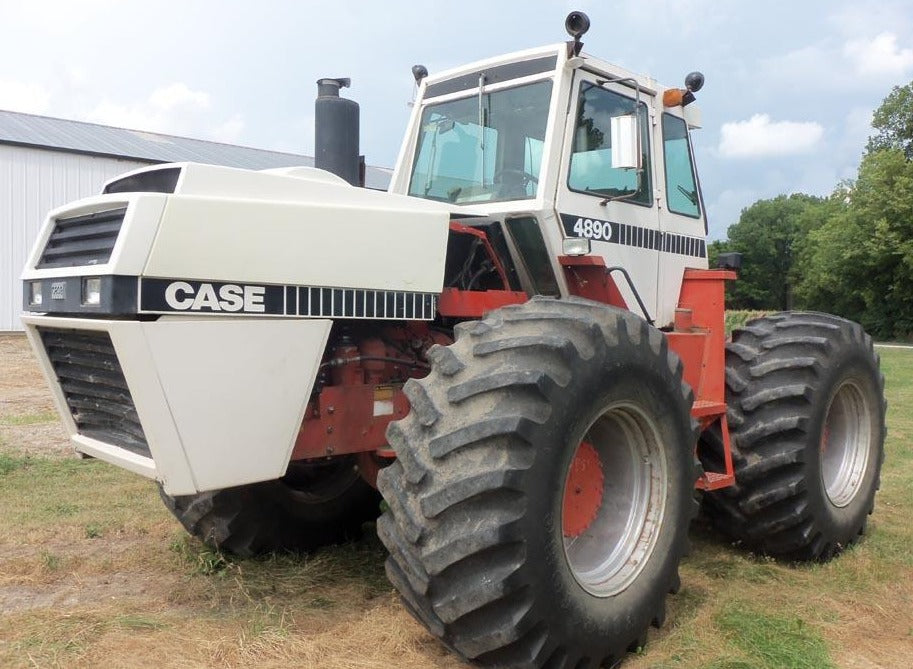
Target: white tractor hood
{"x":299,"y":226}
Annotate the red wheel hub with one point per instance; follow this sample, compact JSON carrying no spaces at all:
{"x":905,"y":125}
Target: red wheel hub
{"x":583,"y":491}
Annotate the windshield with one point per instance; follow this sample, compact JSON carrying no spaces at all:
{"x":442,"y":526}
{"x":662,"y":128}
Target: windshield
{"x":461,"y":160}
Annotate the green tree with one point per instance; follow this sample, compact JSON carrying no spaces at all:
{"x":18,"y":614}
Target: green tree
{"x":770,"y":235}
{"x":833,"y":264}
{"x":859,"y":263}
{"x":894,"y":122}
{"x":882,"y":204}
{"x":715,"y":248}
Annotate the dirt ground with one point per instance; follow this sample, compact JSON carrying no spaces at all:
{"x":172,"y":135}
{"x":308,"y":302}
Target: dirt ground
{"x":26,"y":406}
{"x":95,"y":572}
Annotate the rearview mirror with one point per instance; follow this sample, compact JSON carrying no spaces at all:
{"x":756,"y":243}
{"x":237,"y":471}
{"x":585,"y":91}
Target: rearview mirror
{"x":625,"y":147}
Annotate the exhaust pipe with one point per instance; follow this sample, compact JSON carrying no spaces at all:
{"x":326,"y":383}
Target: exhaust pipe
{"x":336,"y":132}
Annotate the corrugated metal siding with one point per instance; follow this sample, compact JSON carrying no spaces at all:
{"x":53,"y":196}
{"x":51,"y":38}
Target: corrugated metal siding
{"x":32,"y":182}
{"x":64,"y":135}
{"x":58,"y":133}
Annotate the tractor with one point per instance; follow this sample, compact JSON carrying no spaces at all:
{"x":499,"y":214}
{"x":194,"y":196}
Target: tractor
{"x":519,"y":346}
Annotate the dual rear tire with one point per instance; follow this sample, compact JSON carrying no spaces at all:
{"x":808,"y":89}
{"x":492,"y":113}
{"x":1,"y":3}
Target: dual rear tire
{"x":807,"y":420}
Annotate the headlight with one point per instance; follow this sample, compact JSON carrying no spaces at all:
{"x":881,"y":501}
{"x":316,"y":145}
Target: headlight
{"x":91,"y":292}
{"x":35,"y":293}
{"x":575,"y":246}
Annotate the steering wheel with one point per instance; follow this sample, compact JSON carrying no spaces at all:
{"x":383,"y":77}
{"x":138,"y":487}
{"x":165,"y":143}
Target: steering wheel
{"x":526,"y":177}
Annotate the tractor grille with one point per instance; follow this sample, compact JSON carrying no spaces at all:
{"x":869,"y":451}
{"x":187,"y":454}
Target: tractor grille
{"x":82,"y":240}
{"x":95,"y":388}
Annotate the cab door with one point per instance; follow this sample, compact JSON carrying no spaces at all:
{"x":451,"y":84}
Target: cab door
{"x":683,"y":220}
{"x":614,"y":207}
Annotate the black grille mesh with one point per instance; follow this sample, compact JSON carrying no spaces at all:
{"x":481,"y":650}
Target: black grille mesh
{"x":95,"y":388}
{"x":82,"y":240}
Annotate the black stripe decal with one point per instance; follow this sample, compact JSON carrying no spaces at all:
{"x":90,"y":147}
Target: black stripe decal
{"x":632,"y":235}
{"x":177,"y":295}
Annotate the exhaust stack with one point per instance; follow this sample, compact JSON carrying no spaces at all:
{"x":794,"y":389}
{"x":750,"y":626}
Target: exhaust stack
{"x":336,"y":122}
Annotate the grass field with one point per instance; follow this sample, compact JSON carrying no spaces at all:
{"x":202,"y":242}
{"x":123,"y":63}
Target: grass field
{"x":94,"y":572}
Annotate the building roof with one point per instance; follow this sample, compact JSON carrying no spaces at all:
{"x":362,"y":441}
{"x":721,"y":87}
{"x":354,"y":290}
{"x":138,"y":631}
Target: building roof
{"x":90,"y":138}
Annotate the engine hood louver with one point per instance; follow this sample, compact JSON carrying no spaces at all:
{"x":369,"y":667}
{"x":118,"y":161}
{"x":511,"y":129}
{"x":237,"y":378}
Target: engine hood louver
{"x":82,"y":240}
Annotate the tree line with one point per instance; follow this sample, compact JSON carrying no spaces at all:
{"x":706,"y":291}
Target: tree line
{"x":849,"y":254}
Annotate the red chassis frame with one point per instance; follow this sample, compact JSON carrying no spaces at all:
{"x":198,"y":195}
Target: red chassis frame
{"x":352,"y":418}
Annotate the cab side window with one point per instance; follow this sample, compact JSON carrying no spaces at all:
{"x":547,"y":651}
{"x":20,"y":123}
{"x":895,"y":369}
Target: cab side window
{"x":681,"y":187}
{"x":591,"y":151}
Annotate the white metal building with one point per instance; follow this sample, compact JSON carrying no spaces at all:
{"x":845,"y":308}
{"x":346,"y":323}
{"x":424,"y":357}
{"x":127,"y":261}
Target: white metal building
{"x":47,"y":162}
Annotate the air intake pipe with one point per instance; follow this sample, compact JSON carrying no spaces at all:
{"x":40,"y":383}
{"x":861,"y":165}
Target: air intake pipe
{"x":336,"y":132}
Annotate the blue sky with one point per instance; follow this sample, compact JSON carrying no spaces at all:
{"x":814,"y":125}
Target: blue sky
{"x":790,"y":89}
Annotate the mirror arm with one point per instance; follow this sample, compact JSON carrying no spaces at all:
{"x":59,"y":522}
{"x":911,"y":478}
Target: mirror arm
{"x":628,"y":196}
{"x":624,"y":80}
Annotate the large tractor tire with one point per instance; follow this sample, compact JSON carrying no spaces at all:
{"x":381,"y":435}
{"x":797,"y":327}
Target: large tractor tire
{"x":807,"y":419}
{"x":310,"y":507}
{"x":540,"y":501}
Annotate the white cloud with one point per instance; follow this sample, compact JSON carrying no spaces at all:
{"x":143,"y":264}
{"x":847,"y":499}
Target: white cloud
{"x":171,"y":109}
{"x":844,"y":63}
{"x":760,"y":137}
{"x":127,"y":116}
{"x":76,"y":76}
{"x":810,"y":66}
{"x":58,"y":16}
{"x":21,"y":97}
{"x":178,"y":95}
{"x":879,"y":56}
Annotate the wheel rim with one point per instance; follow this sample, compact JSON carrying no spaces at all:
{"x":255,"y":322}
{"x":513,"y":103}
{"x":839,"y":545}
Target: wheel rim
{"x":845,"y":444}
{"x":614,"y":499}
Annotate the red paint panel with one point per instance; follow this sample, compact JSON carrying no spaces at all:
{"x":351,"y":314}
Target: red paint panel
{"x":476,"y":303}
{"x":726,"y":478}
{"x":700,"y":341}
{"x":691,"y":347}
{"x":703,"y":293}
{"x":587,"y":277}
{"x":342,"y":421}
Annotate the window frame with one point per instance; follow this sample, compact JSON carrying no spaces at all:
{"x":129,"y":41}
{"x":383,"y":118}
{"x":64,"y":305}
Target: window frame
{"x":525,"y":253}
{"x":470,"y":94}
{"x":694,"y":178}
{"x":647,"y":153}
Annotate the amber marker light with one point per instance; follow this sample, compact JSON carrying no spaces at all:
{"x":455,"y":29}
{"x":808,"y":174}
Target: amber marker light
{"x":673,"y":97}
